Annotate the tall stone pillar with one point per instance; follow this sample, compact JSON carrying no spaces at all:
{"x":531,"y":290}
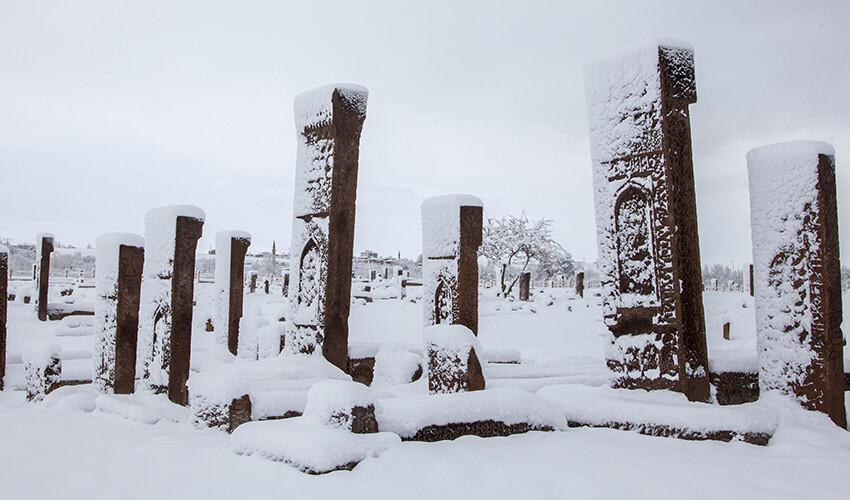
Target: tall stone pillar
{"x":580,"y":284}
{"x":44,"y":247}
{"x":328,"y":123}
{"x":451,"y":234}
{"x":120,"y":259}
{"x":524,"y":285}
{"x":230,"y":250}
{"x":165,"y":329}
{"x":4,"y":304}
{"x":646,"y":213}
{"x":794,"y":220}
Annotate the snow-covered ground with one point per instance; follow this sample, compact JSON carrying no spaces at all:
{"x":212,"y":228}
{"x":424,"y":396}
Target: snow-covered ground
{"x":62,"y":448}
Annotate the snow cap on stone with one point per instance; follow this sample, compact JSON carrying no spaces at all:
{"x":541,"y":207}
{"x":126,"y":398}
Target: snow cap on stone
{"x":330,"y":402}
{"x":441,"y":223}
{"x":315,"y":106}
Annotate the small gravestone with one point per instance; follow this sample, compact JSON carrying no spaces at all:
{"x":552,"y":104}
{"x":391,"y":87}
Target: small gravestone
{"x":120,"y":259}
{"x":451,"y":234}
{"x":4,"y":292}
{"x":794,"y":221}
{"x":328,"y":123}
{"x":252,"y":282}
{"x":373,"y":275}
{"x":752,"y":288}
{"x":580,"y":284}
{"x":165,"y":319}
{"x":646,"y":216}
{"x":524,"y":284}
{"x":44,"y":246}
{"x":231,"y":247}
{"x":286,"y":285}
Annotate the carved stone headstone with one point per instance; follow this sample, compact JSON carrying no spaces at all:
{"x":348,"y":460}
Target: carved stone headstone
{"x":4,"y":291}
{"x":750,"y":282}
{"x":120,"y":259}
{"x":328,"y":123}
{"x":165,"y":321}
{"x":231,"y":247}
{"x":524,"y":284}
{"x":580,"y":284}
{"x":646,"y":217}
{"x":794,"y":220}
{"x":44,"y":247}
{"x":286,"y":285}
{"x":451,"y":234}
{"x":252,"y":282}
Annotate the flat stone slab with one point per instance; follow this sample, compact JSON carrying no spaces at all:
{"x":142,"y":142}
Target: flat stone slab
{"x":486,"y":413}
{"x":661,"y":413}
{"x":308,"y":445}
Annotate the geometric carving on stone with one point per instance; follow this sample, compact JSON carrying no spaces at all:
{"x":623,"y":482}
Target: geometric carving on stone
{"x":44,"y":247}
{"x":231,"y":247}
{"x":646,"y":218}
{"x":165,"y":320}
{"x":328,"y":123}
{"x":451,"y":234}
{"x":797,"y":278}
{"x":120,"y":259}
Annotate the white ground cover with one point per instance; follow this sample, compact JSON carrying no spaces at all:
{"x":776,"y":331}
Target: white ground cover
{"x":76,"y":445}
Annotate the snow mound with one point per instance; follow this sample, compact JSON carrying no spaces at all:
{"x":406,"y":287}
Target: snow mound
{"x":395,"y":365}
{"x":331,"y":402}
{"x":308,"y":445}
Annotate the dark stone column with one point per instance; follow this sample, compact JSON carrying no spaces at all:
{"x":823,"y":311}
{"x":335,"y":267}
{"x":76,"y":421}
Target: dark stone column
{"x":328,"y":122}
{"x":796,"y":261}
{"x":131,"y":261}
{"x":580,"y":284}
{"x":230,"y":278}
{"x":252,"y":285}
{"x":752,"y":288}
{"x":524,"y":284}
{"x":44,"y":245}
{"x":4,"y":292}
{"x":189,"y":231}
{"x":646,"y":209}
{"x":238,"y":249}
{"x":286,"y":285}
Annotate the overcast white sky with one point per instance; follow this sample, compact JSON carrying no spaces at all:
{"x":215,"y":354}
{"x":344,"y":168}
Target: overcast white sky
{"x":108,"y":109}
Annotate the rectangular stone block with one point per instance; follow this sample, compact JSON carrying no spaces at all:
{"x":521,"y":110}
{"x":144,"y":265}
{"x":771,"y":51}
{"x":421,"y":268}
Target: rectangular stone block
{"x":646,"y":217}
{"x":231,"y":247}
{"x":4,"y":292}
{"x":797,"y":276}
{"x":328,"y":123}
{"x":165,"y":320}
{"x":120,"y":260}
{"x":44,"y":247}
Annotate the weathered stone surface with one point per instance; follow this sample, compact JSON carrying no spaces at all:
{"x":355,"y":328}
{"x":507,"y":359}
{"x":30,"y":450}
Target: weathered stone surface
{"x":484,"y":428}
{"x":328,"y":123}
{"x":646,"y":216}
{"x":735,"y":388}
{"x":44,"y":245}
{"x":120,"y":259}
{"x":362,"y":370}
{"x":43,"y":372}
{"x":797,"y":276}
{"x":580,"y":284}
{"x":524,"y":285}
{"x":230,"y":276}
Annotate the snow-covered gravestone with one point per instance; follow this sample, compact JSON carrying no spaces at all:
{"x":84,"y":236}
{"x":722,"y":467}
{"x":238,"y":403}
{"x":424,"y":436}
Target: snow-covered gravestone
{"x":165,"y":320}
{"x":230,"y":249}
{"x":44,"y":247}
{"x":120,"y":259}
{"x":794,"y":216}
{"x":451,"y":235}
{"x":524,"y":285}
{"x":4,"y":291}
{"x":646,"y":217}
{"x":580,"y":284}
{"x":328,"y":123}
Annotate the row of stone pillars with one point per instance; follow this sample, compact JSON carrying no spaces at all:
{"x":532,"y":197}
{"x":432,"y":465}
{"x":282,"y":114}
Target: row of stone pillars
{"x":649,"y":247}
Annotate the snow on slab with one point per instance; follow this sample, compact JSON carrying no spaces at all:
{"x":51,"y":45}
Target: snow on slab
{"x":124,"y":406}
{"x":277,"y":404}
{"x":308,"y":445}
{"x":603,"y":406}
{"x":406,"y":416}
{"x":441,"y":223}
{"x":733,"y":360}
{"x":315,"y":106}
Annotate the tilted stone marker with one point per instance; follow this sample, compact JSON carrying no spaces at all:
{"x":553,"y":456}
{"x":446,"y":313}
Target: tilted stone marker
{"x":120,"y":259}
{"x":794,"y":220}
{"x":524,"y":284}
{"x":230,"y":250}
{"x":328,"y":123}
{"x":44,"y":247}
{"x":646,"y":217}
{"x":4,"y":304}
{"x":165,"y":320}
{"x":580,"y":284}
{"x":451,"y":234}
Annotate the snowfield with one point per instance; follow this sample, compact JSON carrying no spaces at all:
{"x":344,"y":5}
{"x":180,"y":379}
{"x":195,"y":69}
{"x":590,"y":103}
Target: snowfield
{"x":77,"y":444}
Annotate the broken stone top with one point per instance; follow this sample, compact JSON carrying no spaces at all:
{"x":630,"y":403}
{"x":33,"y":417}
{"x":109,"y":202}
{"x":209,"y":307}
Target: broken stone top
{"x":316,"y":107}
{"x":624,"y":93}
{"x":441,"y":223}
{"x":43,"y":236}
{"x":223,"y":238}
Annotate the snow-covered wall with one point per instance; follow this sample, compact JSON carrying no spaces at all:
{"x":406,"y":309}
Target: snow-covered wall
{"x":796,"y":273}
{"x":156,"y":310}
{"x":106,"y":312}
{"x":637,"y":105}
{"x":328,"y":121}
